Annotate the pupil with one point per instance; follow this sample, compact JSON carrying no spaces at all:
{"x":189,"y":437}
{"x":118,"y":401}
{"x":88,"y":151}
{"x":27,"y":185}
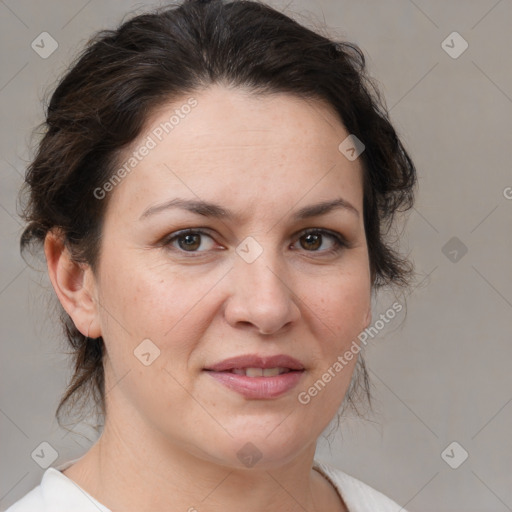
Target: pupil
{"x":312,"y":239}
{"x":189,"y":241}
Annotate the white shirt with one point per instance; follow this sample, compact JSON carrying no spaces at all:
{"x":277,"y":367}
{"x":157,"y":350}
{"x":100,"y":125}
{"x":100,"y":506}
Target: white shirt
{"x":58,"y":493}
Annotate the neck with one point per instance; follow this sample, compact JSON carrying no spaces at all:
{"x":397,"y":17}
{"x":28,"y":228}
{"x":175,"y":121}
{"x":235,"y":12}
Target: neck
{"x":130,"y":468}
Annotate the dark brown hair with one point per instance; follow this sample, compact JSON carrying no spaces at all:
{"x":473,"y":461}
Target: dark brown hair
{"x":123,"y":76}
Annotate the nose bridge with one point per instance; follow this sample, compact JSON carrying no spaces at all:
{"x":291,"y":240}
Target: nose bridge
{"x":261,"y":295}
{"x":258,"y":265}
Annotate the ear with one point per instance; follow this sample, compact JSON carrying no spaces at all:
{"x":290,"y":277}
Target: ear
{"x":74,"y":285}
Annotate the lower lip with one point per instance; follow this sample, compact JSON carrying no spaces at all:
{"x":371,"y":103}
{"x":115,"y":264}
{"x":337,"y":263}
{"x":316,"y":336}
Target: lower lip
{"x":259,"y":387}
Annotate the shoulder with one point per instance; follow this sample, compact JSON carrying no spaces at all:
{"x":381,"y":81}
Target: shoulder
{"x":57,"y":493}
{"x":358,"y":496}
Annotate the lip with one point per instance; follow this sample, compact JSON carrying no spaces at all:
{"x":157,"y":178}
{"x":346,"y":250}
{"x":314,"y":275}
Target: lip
{"x":258,"y":388}
{"x":257,"y":361}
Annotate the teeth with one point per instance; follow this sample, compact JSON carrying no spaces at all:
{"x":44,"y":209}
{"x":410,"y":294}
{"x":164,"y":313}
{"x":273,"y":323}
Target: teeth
{"x":260,"y":372}
{"x":254,"y":372}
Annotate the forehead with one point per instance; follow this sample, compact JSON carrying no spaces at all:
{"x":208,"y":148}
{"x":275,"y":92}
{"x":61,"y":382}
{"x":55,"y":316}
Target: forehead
{"x":230,"y":144}
{"x":222,"y":115}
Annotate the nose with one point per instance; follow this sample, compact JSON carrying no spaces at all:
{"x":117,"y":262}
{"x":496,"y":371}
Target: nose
{"x":262,"y":296}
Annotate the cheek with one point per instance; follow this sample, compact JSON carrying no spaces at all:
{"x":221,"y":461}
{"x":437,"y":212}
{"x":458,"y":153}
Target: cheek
{"x":149,"y":333}
{"x":340,"y":317}
{"x":133,"y":301}
{"x":141,"y":302}
{"x":340,"y":308}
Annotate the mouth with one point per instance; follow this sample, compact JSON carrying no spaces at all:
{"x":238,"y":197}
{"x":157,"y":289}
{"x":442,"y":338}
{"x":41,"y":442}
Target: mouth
{"x":260,"y":372}
{"x":255,"y":363}
{"x":258,"y":377}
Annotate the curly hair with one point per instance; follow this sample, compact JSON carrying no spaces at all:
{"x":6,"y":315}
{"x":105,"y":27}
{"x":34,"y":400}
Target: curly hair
{"x":123,"y":76}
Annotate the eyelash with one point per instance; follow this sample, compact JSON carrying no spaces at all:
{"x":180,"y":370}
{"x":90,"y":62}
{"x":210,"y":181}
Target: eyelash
{"x":339,"y":241}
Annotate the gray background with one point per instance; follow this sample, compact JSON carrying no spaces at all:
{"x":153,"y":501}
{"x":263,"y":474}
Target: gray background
{"x":441,"y":374}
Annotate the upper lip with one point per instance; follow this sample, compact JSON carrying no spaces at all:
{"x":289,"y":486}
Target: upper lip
{"x":257,"y":361}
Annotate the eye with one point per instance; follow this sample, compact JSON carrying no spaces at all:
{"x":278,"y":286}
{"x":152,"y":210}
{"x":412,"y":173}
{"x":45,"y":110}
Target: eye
{"x":189,"y":240}
{"x":312,"y":240}
{"x":193,"y":241}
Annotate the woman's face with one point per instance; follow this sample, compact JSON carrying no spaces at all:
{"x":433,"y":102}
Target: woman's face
{"x":172,"y":308}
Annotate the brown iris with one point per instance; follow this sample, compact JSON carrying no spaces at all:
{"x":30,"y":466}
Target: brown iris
{"x":314,"y":239}
{"x":192,"y":242}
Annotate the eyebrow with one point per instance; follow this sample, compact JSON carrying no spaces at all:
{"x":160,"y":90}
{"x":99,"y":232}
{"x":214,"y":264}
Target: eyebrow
{"x":208,"y":209}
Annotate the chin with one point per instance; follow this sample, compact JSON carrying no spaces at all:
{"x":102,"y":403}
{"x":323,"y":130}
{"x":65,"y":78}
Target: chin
{"x":258,"y":446}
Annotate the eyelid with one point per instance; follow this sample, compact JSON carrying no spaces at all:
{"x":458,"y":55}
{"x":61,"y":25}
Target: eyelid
{"x":340,"y":240}
{"x":333,"y":234}
{"x":167,"y":240}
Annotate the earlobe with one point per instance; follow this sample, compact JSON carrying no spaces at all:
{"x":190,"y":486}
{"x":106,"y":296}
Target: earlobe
{"x":69,"y":278}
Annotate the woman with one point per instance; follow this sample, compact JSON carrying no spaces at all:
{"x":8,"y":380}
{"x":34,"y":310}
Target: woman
{"x":211,"y":193}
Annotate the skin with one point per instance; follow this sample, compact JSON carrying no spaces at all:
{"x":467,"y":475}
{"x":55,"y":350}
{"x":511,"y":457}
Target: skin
{"x":172,"y":432}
